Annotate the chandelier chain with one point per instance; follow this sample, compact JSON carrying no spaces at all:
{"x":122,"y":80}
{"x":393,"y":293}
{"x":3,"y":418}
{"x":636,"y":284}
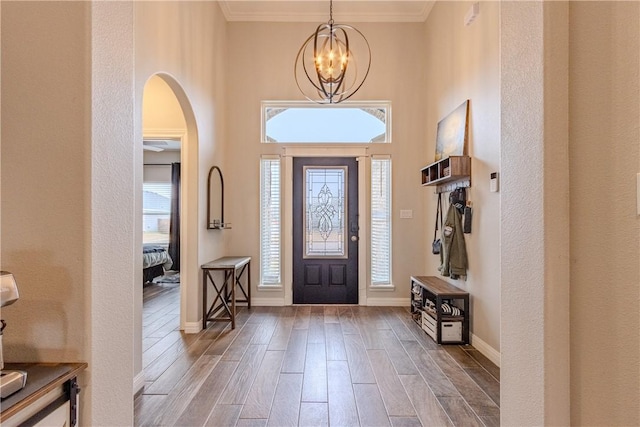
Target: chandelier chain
{"x":330,"y":12}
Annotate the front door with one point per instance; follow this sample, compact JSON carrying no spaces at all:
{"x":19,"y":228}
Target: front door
{"x":325,"y":230}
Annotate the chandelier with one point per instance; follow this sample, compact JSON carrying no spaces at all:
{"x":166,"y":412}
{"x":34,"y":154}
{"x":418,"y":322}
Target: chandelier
{"x":326,"y":71}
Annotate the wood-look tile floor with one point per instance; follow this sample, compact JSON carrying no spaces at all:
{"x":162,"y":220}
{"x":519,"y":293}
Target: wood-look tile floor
{"x":308,"y":366}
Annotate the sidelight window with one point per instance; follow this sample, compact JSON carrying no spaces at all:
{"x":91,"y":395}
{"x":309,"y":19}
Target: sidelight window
{"x":381,"y":221}
{"x":270,"y":222}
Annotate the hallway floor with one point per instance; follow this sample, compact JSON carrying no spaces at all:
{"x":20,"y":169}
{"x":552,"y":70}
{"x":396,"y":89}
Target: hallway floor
{"x":308,"y":366}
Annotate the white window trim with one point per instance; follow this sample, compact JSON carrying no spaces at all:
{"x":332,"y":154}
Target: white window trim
{"x":383,"y":286}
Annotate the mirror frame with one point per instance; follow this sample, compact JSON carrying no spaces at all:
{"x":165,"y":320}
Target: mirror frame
{"x":215,"y":224}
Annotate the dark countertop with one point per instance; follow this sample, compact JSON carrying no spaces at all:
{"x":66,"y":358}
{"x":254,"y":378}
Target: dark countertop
{"x":41,"y":379}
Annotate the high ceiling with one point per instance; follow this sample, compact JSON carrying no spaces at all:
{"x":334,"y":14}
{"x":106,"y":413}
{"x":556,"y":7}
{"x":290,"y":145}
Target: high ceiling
{"x":318,"y":11}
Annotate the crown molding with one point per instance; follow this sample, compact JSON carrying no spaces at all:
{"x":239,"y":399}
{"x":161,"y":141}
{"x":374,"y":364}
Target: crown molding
{"x":271,"y":11}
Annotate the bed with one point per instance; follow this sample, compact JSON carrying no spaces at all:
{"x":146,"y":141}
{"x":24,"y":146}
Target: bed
{"x":155,"y":260}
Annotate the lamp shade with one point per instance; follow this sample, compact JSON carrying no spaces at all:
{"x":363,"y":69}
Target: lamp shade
{"x":8,"y":289}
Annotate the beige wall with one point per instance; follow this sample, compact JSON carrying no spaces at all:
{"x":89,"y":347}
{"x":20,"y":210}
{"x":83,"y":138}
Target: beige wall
{"x":261,"y":59}
{"x":45,"y":49}
{"x":155,"y":173}
{"x":462,"y":62}
{"x":185,"y":42}
{"x":160,"y":108}
{"x":556,"y":213}
{"x":605,"y":245}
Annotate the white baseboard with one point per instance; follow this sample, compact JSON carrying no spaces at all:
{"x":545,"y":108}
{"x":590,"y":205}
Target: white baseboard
{"x":389,"y":302}
{"x":192,"y":327}
{"x":484,"y":348}
{"x":138,"y":382}
{"x":267,"y":302}
{"x":381,"y":302}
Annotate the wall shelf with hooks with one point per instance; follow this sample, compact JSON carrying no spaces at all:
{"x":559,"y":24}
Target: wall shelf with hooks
{"x":448,"y":174}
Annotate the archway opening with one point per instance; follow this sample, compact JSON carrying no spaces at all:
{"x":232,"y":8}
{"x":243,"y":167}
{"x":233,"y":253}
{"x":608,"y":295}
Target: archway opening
{"x":169,"y":195}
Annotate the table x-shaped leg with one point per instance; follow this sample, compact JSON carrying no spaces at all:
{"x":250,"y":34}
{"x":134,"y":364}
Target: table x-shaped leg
{"x":237,"y":278}
{"x":224,"y":299}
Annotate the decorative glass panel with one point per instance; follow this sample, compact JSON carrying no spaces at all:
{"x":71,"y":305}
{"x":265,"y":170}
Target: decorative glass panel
{"x":325,"y":211}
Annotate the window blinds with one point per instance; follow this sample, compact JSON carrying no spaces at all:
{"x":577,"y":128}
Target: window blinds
{"x":270,"y":222}
{"x":380,"y":221}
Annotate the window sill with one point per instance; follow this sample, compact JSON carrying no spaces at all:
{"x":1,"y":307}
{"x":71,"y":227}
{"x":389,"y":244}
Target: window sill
{"x":262,"y":287}
{"x":382,"y":288}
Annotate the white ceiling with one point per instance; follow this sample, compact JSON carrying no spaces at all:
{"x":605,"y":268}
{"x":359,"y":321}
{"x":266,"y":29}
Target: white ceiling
{"x":344,"y":11}
{"x":155,"y":144}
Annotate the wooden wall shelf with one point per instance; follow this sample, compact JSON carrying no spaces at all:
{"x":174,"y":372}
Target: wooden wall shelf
{"x":450,"y":170}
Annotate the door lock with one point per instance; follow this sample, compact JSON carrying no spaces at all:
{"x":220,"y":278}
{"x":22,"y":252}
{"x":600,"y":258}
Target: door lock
{"x":354,"y":238}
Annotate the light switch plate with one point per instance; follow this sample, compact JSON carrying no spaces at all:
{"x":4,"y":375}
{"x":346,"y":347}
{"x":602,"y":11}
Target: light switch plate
{"x":406,"y":213}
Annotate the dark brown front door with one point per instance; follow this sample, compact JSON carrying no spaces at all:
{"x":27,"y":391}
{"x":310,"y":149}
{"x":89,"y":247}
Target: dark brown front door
{"x":325,"y":230}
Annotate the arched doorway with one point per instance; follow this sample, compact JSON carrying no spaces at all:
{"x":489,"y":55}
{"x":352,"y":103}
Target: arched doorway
{"x":170,"y":136}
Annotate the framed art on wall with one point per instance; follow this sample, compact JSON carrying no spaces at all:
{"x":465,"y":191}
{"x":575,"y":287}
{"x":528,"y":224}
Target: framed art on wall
{"x":453,"y":133}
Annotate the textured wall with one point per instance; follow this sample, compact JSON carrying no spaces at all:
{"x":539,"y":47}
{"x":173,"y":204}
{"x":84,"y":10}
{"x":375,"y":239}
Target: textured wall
{"x":522,"y":221}
{"x":604,"y":153}
{"x":112,"y":216}
{"x":556,"y":213}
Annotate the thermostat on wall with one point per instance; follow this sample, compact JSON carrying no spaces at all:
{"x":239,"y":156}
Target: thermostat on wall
{"x":493,"y":186}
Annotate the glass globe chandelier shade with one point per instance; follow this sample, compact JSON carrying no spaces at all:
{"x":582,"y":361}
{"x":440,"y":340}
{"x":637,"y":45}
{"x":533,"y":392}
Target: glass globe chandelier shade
{"x":326,"y":70}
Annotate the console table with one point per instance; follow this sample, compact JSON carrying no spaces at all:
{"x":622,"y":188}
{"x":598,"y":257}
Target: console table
{"x":50,"y":396}
{"x":223,"y":307}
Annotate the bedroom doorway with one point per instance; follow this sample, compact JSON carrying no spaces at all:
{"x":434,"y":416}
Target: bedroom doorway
{"x":161,"y":207}
{"x":164,"y":129}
